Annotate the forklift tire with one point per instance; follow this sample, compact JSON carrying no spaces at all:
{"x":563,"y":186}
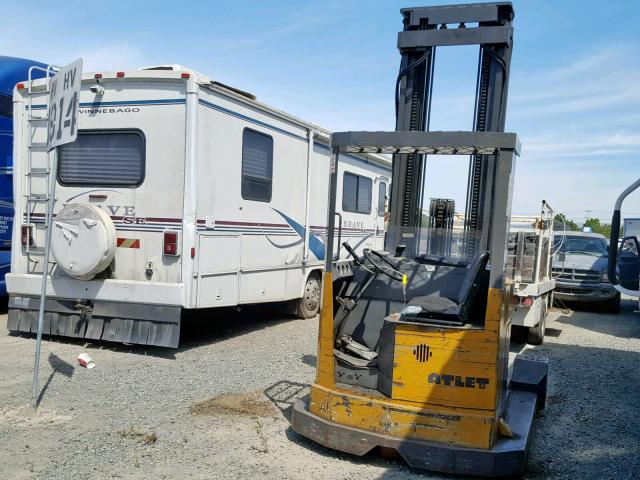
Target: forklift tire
{"x":613,"y":305}
{"x":309,"y":305}
{"x":535,"y":335}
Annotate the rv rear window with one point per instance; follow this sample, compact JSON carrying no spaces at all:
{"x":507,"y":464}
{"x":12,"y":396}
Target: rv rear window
{"x":257,"y":166}
{"x":356,"y":193}
{"x":382,"y":196}
{"x":103,"y":158}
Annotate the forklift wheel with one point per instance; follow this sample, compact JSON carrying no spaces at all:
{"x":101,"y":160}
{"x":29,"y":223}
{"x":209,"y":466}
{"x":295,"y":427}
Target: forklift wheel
{"x":309,"y":305}
{"x":535,"y":335}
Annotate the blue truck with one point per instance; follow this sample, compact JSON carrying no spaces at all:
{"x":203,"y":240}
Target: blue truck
{"x":12,"y":71}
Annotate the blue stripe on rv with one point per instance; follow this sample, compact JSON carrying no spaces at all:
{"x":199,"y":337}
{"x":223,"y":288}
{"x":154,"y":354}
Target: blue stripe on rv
{"x":279,"y":130}
{"x":182,"y":101}
{"x":124,"y":103}
{"x":250,"y":119}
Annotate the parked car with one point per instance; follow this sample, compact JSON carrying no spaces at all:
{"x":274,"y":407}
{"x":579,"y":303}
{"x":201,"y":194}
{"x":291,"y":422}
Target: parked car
{"x":580,"y":269}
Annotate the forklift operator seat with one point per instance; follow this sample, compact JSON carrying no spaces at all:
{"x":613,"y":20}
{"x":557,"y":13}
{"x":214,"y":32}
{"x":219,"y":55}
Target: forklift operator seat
{"x":446,"y":294}
{"x":452,"y":309}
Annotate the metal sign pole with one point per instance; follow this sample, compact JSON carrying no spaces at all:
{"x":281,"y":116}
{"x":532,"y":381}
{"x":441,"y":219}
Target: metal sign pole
{"x":62,"y":117}
{"x":45,"y":271}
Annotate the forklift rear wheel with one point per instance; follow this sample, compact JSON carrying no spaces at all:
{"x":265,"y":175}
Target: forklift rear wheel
{"x":309,"y":305}
{"x":535,"y":335}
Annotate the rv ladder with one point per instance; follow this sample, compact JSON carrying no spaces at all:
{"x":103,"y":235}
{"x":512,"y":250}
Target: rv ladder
{"x":36,"y":193}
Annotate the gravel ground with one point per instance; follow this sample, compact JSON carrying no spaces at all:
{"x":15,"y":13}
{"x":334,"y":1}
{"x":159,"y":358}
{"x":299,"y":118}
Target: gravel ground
{"x":213,"y":408}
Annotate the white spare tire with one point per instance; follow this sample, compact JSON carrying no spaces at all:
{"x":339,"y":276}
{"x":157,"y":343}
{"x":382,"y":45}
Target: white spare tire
{"x":83,"y":240}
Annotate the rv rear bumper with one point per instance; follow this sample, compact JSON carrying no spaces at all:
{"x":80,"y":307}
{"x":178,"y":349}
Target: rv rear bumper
{"x":154,"y":293}
{"x":115,"y":311}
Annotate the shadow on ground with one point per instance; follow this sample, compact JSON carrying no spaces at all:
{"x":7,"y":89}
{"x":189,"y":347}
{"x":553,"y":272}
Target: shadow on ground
{"x":204,"y":327}
{"x":59,"y":366}
{"x":626,"y":324}
{"x":284,"y":394}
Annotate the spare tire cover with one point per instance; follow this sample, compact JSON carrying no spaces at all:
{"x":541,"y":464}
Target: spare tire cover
{"x":83,"y":240}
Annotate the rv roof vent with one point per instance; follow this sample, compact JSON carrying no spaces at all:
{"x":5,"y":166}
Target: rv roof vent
{"x":201,"y":78}
{"x":173,"y":66}
{"x":235,"y":90}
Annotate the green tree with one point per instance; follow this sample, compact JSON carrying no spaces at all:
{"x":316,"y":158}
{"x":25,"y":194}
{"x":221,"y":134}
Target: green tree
{"x":597,"y":227}
{"x":561,"y":221}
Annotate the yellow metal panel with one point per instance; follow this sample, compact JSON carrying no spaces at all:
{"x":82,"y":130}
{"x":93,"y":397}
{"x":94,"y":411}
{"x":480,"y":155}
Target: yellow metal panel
{"x":454,"y":333}
{"x":459,"y":371}
{"x":465,"y":428}
{"x":325,"y":369}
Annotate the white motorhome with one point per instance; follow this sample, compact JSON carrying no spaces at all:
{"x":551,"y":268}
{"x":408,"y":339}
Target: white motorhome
{"x":179,"y":193}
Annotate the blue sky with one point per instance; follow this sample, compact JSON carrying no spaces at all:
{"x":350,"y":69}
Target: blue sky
{"x":574,"y":97}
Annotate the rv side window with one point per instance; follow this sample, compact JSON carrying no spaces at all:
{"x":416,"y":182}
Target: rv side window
{"x":257,"y":166}
{"x":356,"y":193}
{"x":382,"y":195}
{"x":103,"y":158}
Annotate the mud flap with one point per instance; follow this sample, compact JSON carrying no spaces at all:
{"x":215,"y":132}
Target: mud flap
{"x":156,"y":325}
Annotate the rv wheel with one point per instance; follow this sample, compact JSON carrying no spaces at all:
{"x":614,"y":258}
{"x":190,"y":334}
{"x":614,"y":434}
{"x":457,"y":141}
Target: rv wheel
{"x":309,"y":305}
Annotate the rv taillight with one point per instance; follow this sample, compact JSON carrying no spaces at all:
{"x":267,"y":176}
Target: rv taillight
{"x":119,"y":74}
{"x":26,"y":235}
{"x":185,"y":75}
{"x":527,"y":302}
{"x":20,"y":86}
{"x":515,"y":300}
{"x":97,"y":76}
{"x":170,"y":246}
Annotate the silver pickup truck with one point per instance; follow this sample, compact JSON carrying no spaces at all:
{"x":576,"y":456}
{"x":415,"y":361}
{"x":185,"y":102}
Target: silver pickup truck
{"x":580,"y":269}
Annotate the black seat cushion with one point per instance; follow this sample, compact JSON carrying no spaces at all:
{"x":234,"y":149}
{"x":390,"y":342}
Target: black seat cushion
{"x":455,"y":309}
{"x":432,"y":304}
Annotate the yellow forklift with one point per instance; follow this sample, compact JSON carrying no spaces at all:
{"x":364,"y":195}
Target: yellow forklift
{"x":413,"y":347}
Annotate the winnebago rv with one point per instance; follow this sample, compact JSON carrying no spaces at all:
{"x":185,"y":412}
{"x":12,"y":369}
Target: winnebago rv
{"x":12,"y":71}
{"x":179,"y":193}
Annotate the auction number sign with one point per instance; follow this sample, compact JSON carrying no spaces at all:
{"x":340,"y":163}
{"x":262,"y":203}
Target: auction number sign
{"x":64,"y":97}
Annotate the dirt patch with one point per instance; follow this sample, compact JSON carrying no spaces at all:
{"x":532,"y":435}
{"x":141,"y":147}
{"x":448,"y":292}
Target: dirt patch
{"x":248,"y":403}
{"x":26,"y":416}
{"x":147,"y":438}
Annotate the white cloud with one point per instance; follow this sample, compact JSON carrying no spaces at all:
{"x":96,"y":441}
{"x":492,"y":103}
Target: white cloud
{"x":556,"y":145}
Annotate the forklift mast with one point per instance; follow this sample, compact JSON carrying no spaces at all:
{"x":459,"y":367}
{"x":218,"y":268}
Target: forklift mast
{"x":441,"y":221}
{"x":486,"y":25}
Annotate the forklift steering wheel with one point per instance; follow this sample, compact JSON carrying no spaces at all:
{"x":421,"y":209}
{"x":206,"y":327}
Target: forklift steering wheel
{"x":388,"y":270}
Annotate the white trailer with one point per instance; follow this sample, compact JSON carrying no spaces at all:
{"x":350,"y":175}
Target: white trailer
{"x":179,"y":193}
{"x":631,"y":227}
{"x":529,"y":261}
